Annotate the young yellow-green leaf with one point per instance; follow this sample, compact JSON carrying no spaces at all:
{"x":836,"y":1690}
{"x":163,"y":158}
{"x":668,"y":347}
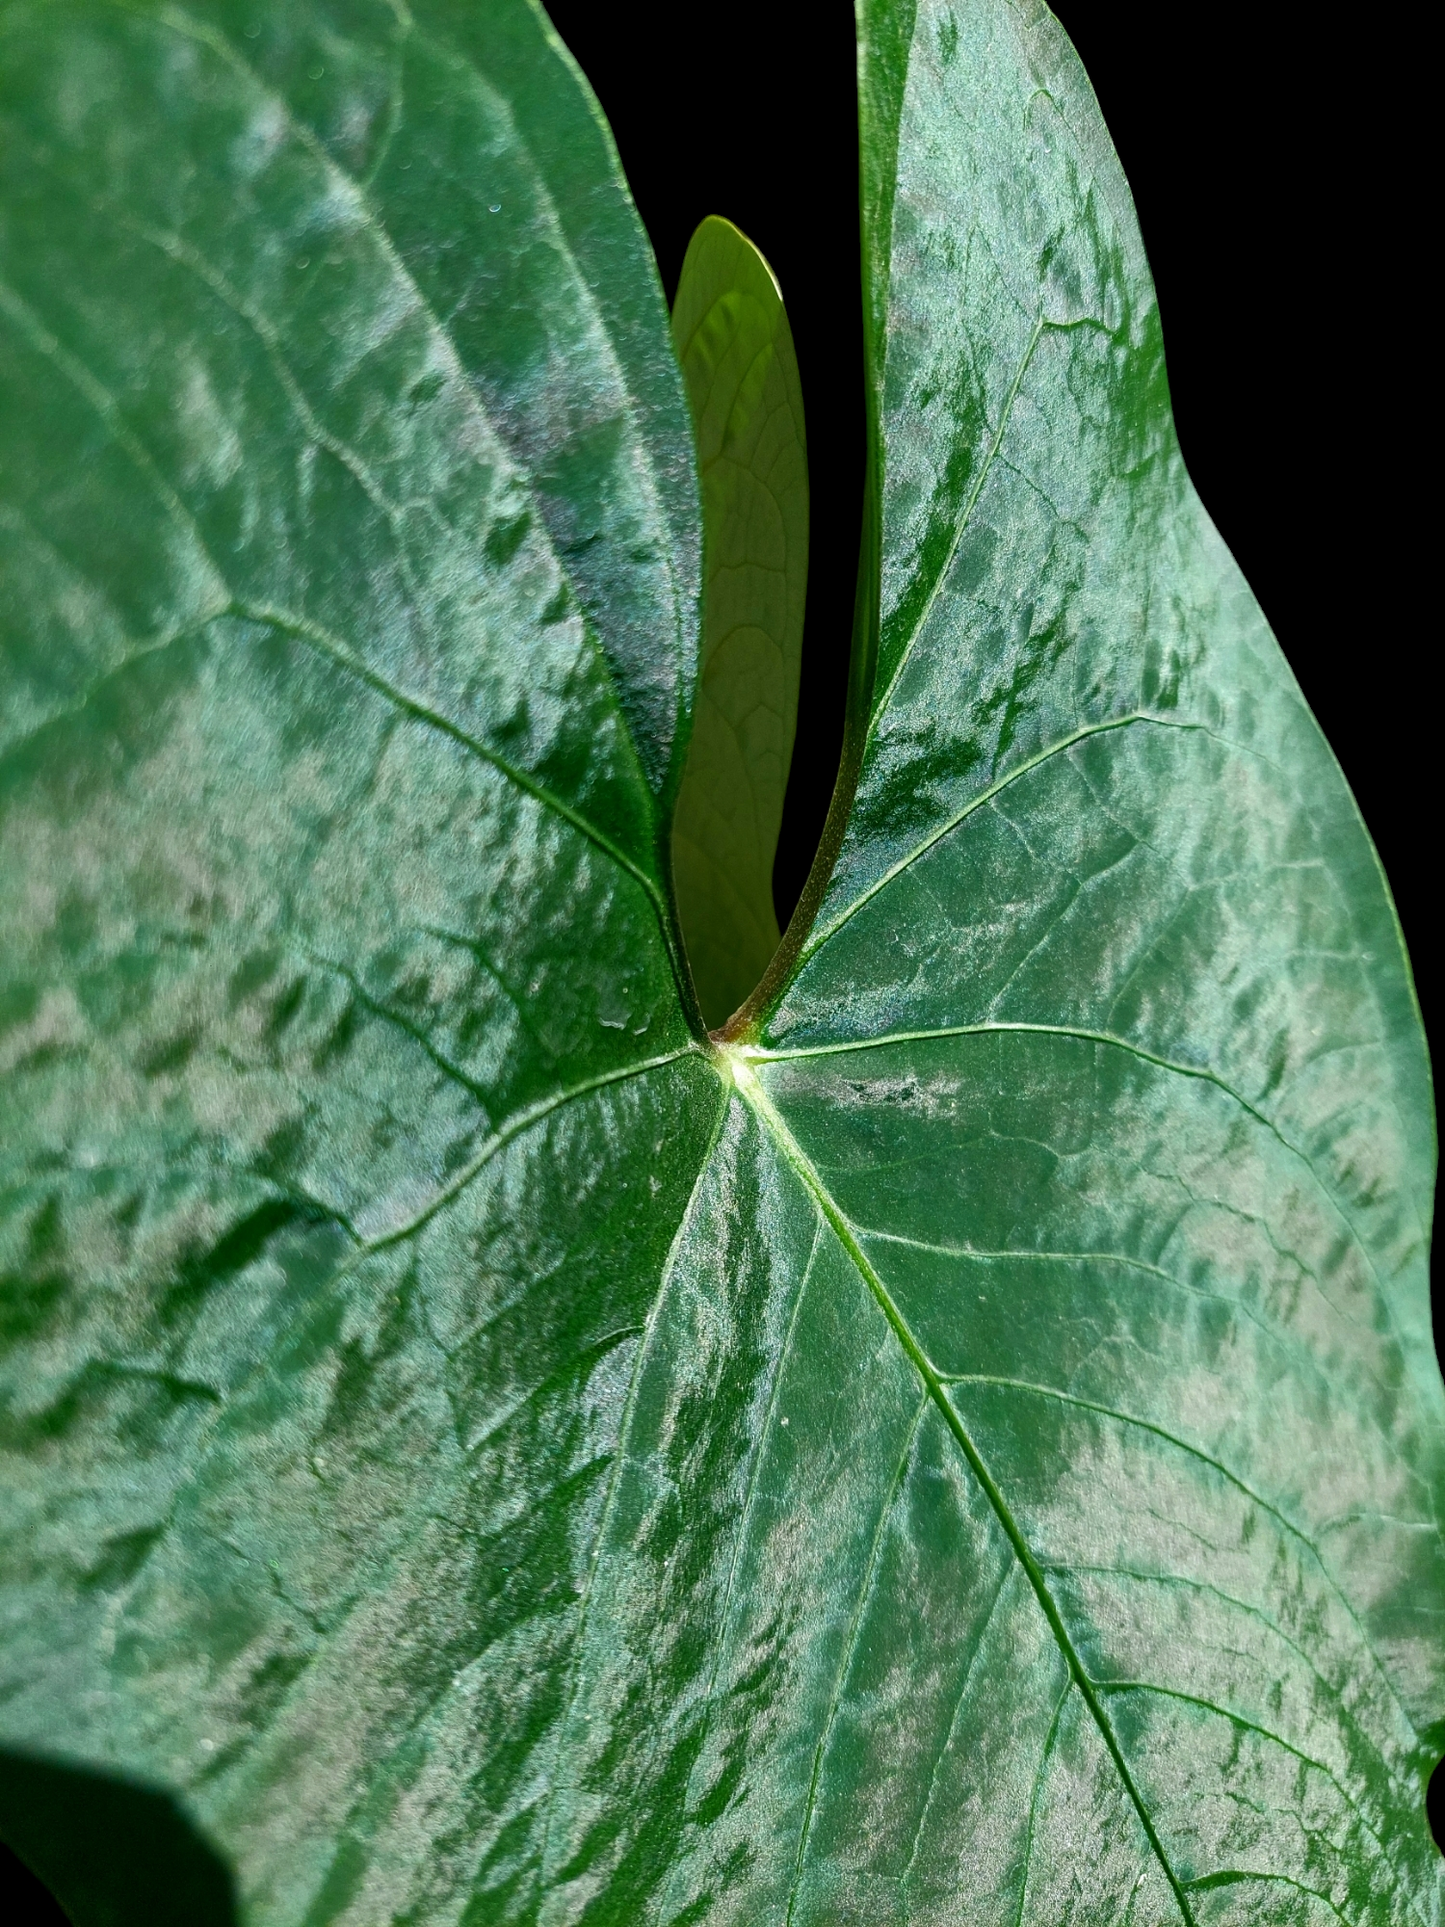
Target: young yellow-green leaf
{"x":966,"y":1449}
{"x":736,"y":353}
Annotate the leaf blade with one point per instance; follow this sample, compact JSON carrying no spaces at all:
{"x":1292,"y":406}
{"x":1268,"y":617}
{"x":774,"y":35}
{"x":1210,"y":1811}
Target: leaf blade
{"x":300,"y":753}
{"x":735,"y":349}
{"x":1066,"y":939}
{"x":456,"y":1433}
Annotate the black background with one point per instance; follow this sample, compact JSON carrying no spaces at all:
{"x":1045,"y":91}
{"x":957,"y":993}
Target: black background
{"x":1270,"y":162}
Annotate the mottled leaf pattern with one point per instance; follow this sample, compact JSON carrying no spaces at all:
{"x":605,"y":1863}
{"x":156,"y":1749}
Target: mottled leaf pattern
{"x":965,"y":1450}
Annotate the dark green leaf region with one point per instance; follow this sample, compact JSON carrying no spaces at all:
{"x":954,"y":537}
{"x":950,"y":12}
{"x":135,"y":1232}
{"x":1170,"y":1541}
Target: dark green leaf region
{"x":961,"y":1449}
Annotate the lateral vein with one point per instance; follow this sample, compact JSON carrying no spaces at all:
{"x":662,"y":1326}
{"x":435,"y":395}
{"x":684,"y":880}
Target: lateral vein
{"x":1200,"y":1072}
{"x":324,"y":643}
{"x":515,"y":1125}
{"x":751,"y":1089}
{"x":820,"y":937}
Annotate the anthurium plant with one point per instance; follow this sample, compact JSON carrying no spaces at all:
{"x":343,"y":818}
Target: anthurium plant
{"x":527,"y":1398}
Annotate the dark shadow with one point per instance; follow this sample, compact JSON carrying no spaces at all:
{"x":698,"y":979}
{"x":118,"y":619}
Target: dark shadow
{"x":113,"y":1852}
{"x":23,"y":1898}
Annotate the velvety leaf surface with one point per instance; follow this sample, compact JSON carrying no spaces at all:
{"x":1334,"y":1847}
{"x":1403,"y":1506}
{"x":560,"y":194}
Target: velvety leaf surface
{"x":966,"y":1450}
{"x":735,"y":349}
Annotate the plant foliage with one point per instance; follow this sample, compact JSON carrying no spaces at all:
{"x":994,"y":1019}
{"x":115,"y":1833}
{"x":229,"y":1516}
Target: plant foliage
{"x":735,"y":349}
{"x":967,"y":1447}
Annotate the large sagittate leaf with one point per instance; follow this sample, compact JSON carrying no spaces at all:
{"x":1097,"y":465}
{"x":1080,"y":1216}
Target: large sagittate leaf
{"x":968,"y":1449}
{"x":735,"y":349}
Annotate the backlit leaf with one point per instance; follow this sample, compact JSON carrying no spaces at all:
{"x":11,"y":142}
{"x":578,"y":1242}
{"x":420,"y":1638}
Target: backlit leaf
{"x":736,"y":353}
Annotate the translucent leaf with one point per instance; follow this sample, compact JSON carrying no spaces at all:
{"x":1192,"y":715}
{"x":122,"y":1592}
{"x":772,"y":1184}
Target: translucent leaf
{"x":736,"y":353}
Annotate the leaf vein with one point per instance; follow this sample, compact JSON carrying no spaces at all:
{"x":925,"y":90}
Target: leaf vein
{"x":850,"y":1646}
{"x":794,"y":1154}
{"x":1122,"y":1686}
{"x":1200,"y":1072}
{"x":188,"y":27}
{"x":1230,"y":1877}
{"x":1288,"y":1341}
{"x":1194,"y":1451}
{"x":1019,"y":770}
{"x":927,"y":1807}
{"x":1046,"y":1754}
{"x":324,"y":643}
{"x":965,"y":515}
{"x":452,"y":1072}
{"x":1183,"y":1581}
{"x":520,"y":1122}
{"x":624,"y":1428}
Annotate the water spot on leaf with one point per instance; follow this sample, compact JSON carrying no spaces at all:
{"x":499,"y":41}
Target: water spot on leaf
{"x":612,"y":1011}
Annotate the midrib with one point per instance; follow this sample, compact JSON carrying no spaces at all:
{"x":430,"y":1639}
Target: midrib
{"x":751,"y":1090}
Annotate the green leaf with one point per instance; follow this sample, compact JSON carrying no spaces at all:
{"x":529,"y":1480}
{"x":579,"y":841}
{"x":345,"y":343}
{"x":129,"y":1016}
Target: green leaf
{"x":967,"y":1448}
{"x":735,"y":349}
